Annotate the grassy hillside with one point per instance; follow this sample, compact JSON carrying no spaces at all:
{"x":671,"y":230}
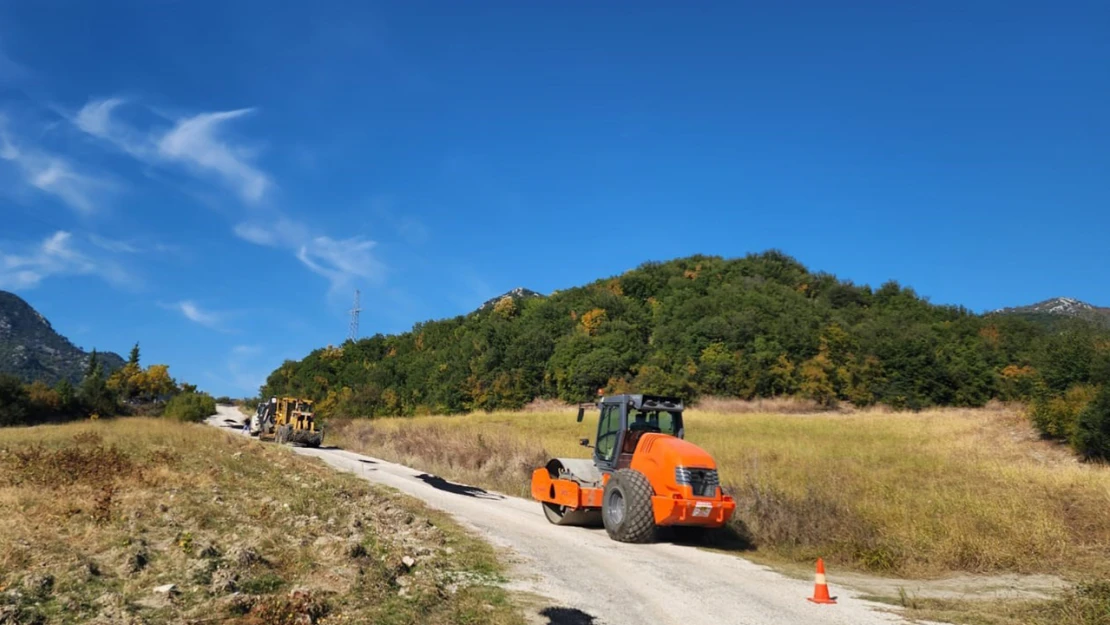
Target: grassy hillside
{"x":95,"y":516}
{"x":758,"y":326}
{"x":917,"y":495}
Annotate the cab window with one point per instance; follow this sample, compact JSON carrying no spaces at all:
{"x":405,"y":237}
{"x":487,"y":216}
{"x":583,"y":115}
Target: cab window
{"x":608,"y":427}
{"x":660,"y":421}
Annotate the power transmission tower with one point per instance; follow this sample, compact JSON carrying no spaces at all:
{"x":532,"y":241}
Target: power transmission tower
{"x":355,"y":310}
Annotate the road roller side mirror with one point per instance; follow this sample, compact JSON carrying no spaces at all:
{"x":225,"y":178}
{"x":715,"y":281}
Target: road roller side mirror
{"x":581,"y":413}
{"x":585,"y":442}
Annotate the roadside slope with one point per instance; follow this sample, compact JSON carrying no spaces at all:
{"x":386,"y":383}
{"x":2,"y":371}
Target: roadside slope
{"x":615,"y":584}
{"x":133,"y":521}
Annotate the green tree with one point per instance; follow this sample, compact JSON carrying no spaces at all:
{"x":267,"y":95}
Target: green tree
{"x":156,"y":382}
{"x":865,"y":377}
{"x":1069,"y":358}
{"x":125,"y":382}
{"x":95,"y":396}
{"x":93,"y":364}
{"x":717,"y":369}
{"x":816,"y":383}
{"x":1092,"y":432}
{"x":14,"y":408}
{"x":653,"y":379}
{"x":66,"y":396}
{"x":780,"y":378}
{"x":591,"y":371}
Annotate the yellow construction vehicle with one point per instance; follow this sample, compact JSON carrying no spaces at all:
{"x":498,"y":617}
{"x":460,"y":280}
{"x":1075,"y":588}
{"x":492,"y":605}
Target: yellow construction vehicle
{"x":287,"y":420}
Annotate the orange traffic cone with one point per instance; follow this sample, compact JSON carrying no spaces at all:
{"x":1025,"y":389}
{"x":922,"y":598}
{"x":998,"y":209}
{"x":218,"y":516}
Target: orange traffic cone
{"x":820,"y":588}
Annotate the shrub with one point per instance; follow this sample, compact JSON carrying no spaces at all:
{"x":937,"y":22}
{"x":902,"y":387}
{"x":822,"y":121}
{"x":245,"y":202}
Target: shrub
{"x":43,"y":400}
{"x":1092,"y":433}
{"x":190,"y":407}
{"x":1058,"y":417}
{"x":300,"y":607}
{"x":86,"y":462}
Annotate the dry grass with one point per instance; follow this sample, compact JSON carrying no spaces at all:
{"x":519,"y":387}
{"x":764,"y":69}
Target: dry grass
{"x":1086,"y":604}
{"x":541,"y":404}
{"x":94,"y":516}
{"x":914,"y":494}
{"x":771,"y":405}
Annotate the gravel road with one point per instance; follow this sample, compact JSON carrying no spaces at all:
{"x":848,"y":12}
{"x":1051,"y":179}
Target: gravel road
{"x":584,"y":578}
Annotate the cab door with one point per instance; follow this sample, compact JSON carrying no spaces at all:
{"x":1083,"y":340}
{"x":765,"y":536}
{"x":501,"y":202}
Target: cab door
{"x":608,"y":437}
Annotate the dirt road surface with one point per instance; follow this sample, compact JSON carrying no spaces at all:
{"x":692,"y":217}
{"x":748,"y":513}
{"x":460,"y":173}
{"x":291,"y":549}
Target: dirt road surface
{"x":581,"y":577}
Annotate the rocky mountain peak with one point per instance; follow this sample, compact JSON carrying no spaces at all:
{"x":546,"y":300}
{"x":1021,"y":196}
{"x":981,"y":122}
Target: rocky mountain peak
{"x":31,"y":349}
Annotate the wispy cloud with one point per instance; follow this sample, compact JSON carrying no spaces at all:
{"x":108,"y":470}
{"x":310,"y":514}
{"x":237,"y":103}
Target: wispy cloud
{"x":266,"y":235}
{"x":132,"y":246}
{"x":245,"y":350}
{"x":57,"y":255}
{"x":53,"y":174}
{"x":196,"y":314}
{"x":113,"y":245}
{"x":342,"y":261}
{"x":197,"y":143}
{"x":95,"y":118}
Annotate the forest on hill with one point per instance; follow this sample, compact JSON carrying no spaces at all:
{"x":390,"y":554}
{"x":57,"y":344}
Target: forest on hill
{"x":128,"y":389}
{"x":758,"y":326}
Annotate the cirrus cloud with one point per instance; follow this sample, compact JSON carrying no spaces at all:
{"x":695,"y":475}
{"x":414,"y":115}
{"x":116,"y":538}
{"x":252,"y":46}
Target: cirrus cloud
{"x":197,"y":143}
{"x":341,"y":261}
{"x":198,"y":315}
{"x":193,"y":312}
{"x":53,"y":174}
{"x":60,"y":254}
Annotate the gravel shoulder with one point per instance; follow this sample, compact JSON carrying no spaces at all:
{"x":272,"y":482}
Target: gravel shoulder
{"x":595,"y":580}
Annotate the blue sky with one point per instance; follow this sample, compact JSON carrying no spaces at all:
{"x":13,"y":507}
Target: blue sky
{"x":214,"y":179}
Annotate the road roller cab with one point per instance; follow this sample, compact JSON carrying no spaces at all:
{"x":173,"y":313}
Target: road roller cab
{"x":643,"y":474}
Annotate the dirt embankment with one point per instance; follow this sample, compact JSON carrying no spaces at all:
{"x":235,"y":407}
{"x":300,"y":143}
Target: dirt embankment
{"x":147,"y":521}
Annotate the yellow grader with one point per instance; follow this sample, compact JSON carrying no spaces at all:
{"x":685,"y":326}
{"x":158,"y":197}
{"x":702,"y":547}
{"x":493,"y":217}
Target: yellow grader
{"x":286,"y":420}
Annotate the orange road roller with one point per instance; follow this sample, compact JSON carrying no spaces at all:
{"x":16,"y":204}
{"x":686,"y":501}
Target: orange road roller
{"x":643,"y":475}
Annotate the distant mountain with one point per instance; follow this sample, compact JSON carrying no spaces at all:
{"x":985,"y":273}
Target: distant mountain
{"x":1062,"y":307}
{"x":518,"y":293}
{"x":31,"y":350}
